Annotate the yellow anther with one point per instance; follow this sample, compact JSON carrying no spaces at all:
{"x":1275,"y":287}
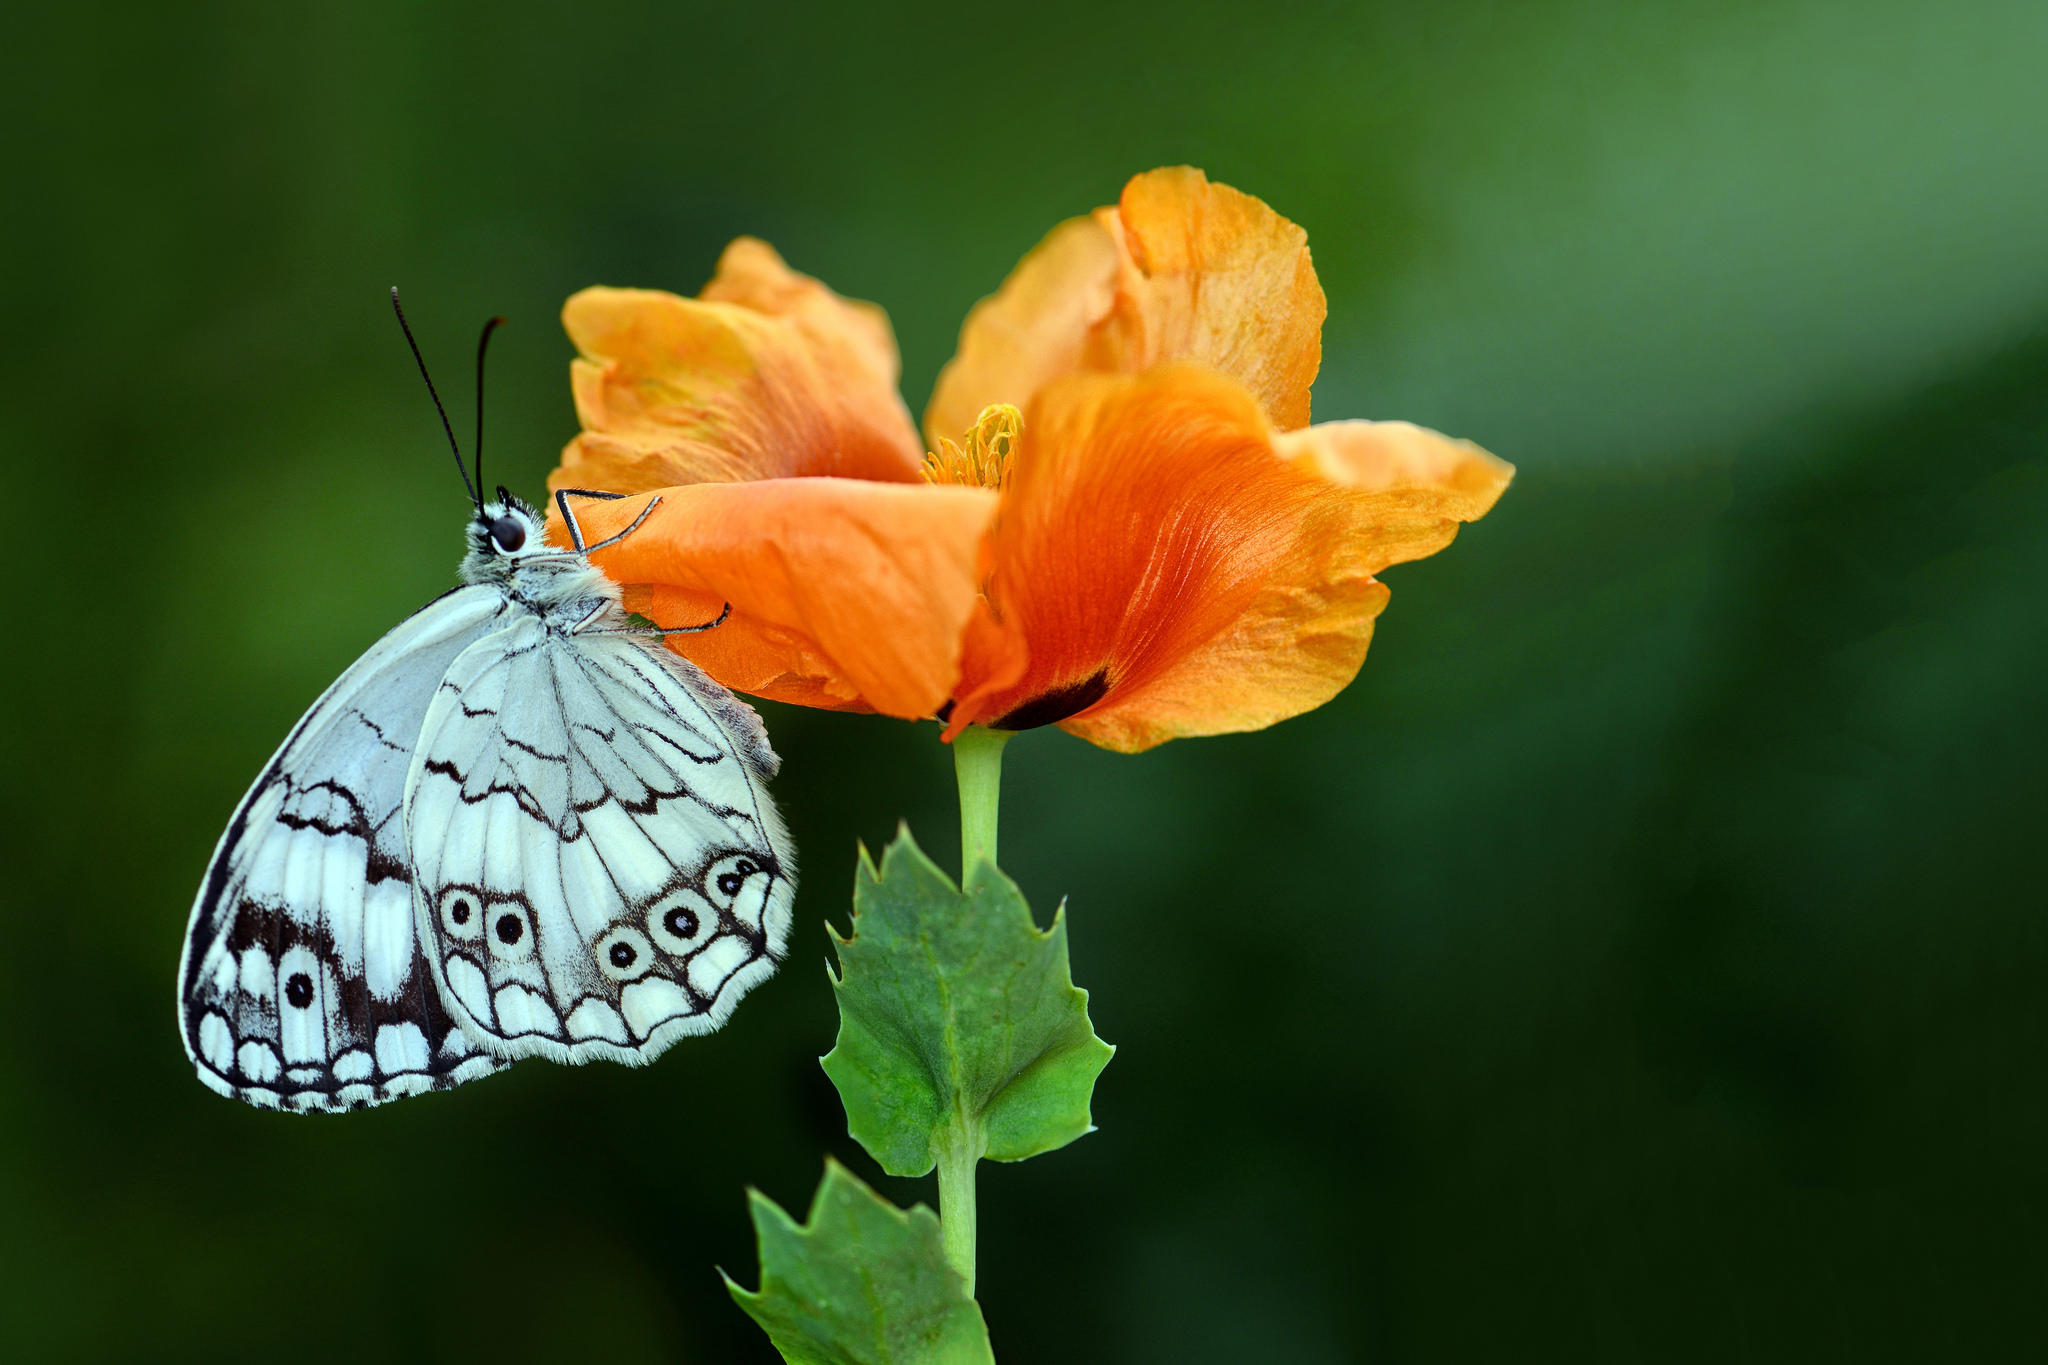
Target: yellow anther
{"x":981,"y":459}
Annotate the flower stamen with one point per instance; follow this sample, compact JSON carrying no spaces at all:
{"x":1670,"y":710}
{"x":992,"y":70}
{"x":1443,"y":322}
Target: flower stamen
{"x":980,"y":459}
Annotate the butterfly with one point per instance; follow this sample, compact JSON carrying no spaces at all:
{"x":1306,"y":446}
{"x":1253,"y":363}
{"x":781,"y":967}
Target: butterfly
{"x":518,"y":826}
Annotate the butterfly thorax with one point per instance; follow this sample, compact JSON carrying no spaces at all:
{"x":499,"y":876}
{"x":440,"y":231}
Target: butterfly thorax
{"x":508,"y":550}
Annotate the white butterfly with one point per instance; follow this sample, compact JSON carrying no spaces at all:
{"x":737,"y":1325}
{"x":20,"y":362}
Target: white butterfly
{"x":517,"y":827}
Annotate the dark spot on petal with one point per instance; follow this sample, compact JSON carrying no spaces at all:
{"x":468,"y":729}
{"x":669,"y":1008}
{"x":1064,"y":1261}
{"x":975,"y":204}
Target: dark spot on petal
{"x":1048,"y":708}
{"x":510,"y":928}
{"x":299,"y":990}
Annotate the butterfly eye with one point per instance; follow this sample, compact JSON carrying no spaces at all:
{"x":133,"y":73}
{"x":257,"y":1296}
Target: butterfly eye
{"x":509,"y":533}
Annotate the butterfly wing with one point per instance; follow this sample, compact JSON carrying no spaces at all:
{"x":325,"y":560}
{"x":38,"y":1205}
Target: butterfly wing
{"x":599,"y":868}
{"x":301,"y":985}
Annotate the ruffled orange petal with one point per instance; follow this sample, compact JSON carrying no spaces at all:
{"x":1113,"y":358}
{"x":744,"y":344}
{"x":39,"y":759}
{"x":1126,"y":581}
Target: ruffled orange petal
{"x":1174,"y":568}
{"x":768,"y":374}
{"x":1180,"y":270}
{"x":1032,"y":330}
{"x":846,"y":594}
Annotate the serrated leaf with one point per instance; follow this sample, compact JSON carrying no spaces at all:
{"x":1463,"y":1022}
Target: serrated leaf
{"x":860,"y":1282}
{"x":958,"y":1020}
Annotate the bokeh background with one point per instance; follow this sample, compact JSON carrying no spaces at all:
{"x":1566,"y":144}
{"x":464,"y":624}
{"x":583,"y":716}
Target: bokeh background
{"x":1643,"y":960}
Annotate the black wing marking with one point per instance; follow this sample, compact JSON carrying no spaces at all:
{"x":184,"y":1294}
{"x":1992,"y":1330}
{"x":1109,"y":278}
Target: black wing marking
{"x":576,"y":806}
{"x":301,"y":985}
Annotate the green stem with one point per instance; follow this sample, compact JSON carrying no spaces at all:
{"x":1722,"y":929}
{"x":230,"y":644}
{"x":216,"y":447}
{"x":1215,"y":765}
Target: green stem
{"x":978,"y":763}
{"x":957,"y":1160}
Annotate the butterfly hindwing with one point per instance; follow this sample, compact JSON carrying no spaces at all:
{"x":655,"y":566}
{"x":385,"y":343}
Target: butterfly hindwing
{"x":301,"y":985}
{"x":594,"y":848}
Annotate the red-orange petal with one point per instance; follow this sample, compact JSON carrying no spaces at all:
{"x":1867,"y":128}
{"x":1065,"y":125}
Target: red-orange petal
{"x":1182,"y":269}
{"x":846,"y":594}
{"x":1173,"y":568}
{"x":768,"y":374}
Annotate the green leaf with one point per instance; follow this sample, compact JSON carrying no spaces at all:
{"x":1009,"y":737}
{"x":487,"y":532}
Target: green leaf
{"x":959,"y":1025}
{"x":861,"y":1282}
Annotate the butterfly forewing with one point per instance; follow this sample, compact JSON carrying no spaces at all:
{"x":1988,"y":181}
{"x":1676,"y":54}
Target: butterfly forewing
{"x":596,"y":856}
{"x":302,"y":985}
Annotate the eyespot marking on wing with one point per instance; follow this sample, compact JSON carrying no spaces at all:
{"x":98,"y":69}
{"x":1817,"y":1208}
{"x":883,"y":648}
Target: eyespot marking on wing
{"x":681,"y":921}
{"x":623,"y":954}
{"x":462,"y":912}
{"x":309,"y":992}
{"x":741,"y":877}
{"x":511,"y":930}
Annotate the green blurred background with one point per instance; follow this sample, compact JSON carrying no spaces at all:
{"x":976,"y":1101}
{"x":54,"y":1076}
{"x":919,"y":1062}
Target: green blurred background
{"x":1643,"y":960}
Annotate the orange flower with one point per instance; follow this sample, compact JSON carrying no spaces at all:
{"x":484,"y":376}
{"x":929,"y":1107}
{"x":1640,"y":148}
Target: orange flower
{"x":1151,"y":543}
{"x":765,"y":414}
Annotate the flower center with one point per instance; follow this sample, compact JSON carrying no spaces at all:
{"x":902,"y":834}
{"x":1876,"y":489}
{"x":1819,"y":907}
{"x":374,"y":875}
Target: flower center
{"x":981,"y":458}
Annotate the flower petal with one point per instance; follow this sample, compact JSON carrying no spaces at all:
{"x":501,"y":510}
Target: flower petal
{"x":1180,"y":270}
{"x":1422,"y":481}
{"x":1214,"y":275}
{"x":768,"y":374}
{"x":1392,"y":493}
{"x":846,"y":594}
{"x":1174,"y":568}
{"x":1032,"y":330}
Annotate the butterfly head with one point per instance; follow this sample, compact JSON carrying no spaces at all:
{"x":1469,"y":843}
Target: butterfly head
{"x":503,"y":531}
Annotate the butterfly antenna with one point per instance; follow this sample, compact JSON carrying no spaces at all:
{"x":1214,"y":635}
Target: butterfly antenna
{"x":483,"y":343}
{"x":422,"y":361}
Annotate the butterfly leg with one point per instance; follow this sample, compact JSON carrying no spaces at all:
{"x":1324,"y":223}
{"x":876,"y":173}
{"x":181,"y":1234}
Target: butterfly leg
{"x":663,"y":630}
{"x":562,"y":496}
